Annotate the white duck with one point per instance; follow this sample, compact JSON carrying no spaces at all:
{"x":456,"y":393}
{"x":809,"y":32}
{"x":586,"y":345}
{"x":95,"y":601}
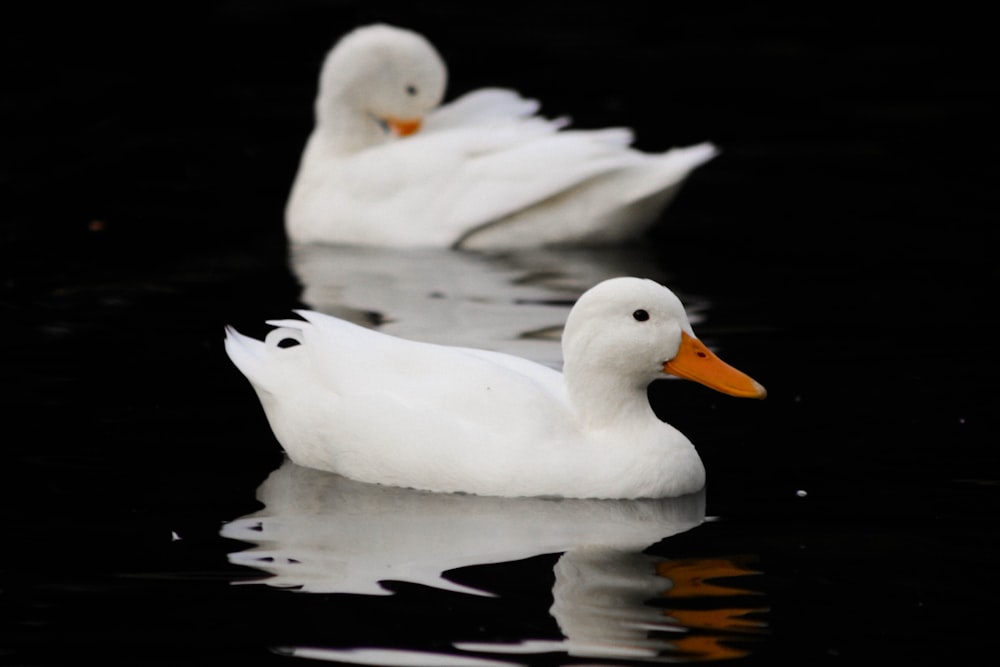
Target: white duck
{"x":386,"y":410}
{"x":385,"y":165}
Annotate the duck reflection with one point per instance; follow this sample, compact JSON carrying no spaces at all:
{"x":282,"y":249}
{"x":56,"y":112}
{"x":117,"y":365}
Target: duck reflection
{"x":514,"y":302}
{"x":322,"y":533}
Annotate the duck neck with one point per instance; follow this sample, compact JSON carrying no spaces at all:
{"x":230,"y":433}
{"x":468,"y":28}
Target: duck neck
{"x":602,"y":400}
{"x":344,"y":129}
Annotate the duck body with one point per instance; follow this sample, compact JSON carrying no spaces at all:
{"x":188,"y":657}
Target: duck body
{"x":386,"y":410}
{"x":484,"y":171}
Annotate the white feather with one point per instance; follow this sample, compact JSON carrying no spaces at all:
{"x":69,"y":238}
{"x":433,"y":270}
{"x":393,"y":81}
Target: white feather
{"x":387,"y":410}
{"x":485,"y":172}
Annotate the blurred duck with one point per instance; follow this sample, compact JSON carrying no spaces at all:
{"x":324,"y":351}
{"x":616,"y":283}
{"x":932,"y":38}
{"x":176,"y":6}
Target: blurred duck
{"x":386,"y":165}
{"x":381,"y":409}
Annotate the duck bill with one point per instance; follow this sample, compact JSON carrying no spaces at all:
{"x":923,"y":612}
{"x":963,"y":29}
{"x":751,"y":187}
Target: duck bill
{"x":403,"y":127}
{"x":694,"y":361}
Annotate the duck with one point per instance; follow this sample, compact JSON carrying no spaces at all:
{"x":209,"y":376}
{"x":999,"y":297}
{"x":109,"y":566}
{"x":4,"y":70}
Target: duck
{"x":387,"y":164}
{"x":380,"y":409}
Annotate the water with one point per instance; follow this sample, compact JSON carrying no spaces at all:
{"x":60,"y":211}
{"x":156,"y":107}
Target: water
{"x":151,"y":519}
{"x":839,"y":251}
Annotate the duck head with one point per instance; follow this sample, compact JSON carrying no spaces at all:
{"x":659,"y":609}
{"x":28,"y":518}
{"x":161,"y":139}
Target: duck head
{"x":391,"y":75}
{"x":636,"y":331}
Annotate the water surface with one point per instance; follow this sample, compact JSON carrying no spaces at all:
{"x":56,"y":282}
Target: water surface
{"x":841,"y":250}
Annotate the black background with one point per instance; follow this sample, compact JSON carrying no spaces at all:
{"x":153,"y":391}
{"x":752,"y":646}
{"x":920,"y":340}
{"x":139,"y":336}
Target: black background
{"x":846,"y":235}
{"x":860,"y":130}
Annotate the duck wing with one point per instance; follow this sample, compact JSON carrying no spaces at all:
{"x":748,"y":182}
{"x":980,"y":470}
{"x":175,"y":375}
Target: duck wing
{"x":482,"y":106}
{"x":349,"y":374}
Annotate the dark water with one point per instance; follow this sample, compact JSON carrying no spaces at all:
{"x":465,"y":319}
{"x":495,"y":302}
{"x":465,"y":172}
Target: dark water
{"x":841,"y":251}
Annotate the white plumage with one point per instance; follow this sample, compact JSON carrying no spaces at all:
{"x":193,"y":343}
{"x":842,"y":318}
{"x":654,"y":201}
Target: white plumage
{"x":386,"y":410}
{"x":481,"y":172}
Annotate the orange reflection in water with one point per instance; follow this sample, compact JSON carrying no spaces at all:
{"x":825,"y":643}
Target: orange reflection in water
{"x":712,"y":631}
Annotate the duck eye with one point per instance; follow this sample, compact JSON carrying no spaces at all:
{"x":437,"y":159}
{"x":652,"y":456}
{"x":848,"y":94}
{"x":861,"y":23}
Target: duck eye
{"x":411,"y":90}
{"x":640,"y":315}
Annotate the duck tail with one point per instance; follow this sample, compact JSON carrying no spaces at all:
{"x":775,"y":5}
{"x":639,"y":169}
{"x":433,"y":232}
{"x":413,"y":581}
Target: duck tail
{"x":690,"y":157}
{"x":671,"y":169}
{"x":254,"y":358}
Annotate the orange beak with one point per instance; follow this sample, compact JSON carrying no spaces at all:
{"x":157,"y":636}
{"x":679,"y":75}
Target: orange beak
{"x":403,"y":127}
{"x":696,"y":362}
